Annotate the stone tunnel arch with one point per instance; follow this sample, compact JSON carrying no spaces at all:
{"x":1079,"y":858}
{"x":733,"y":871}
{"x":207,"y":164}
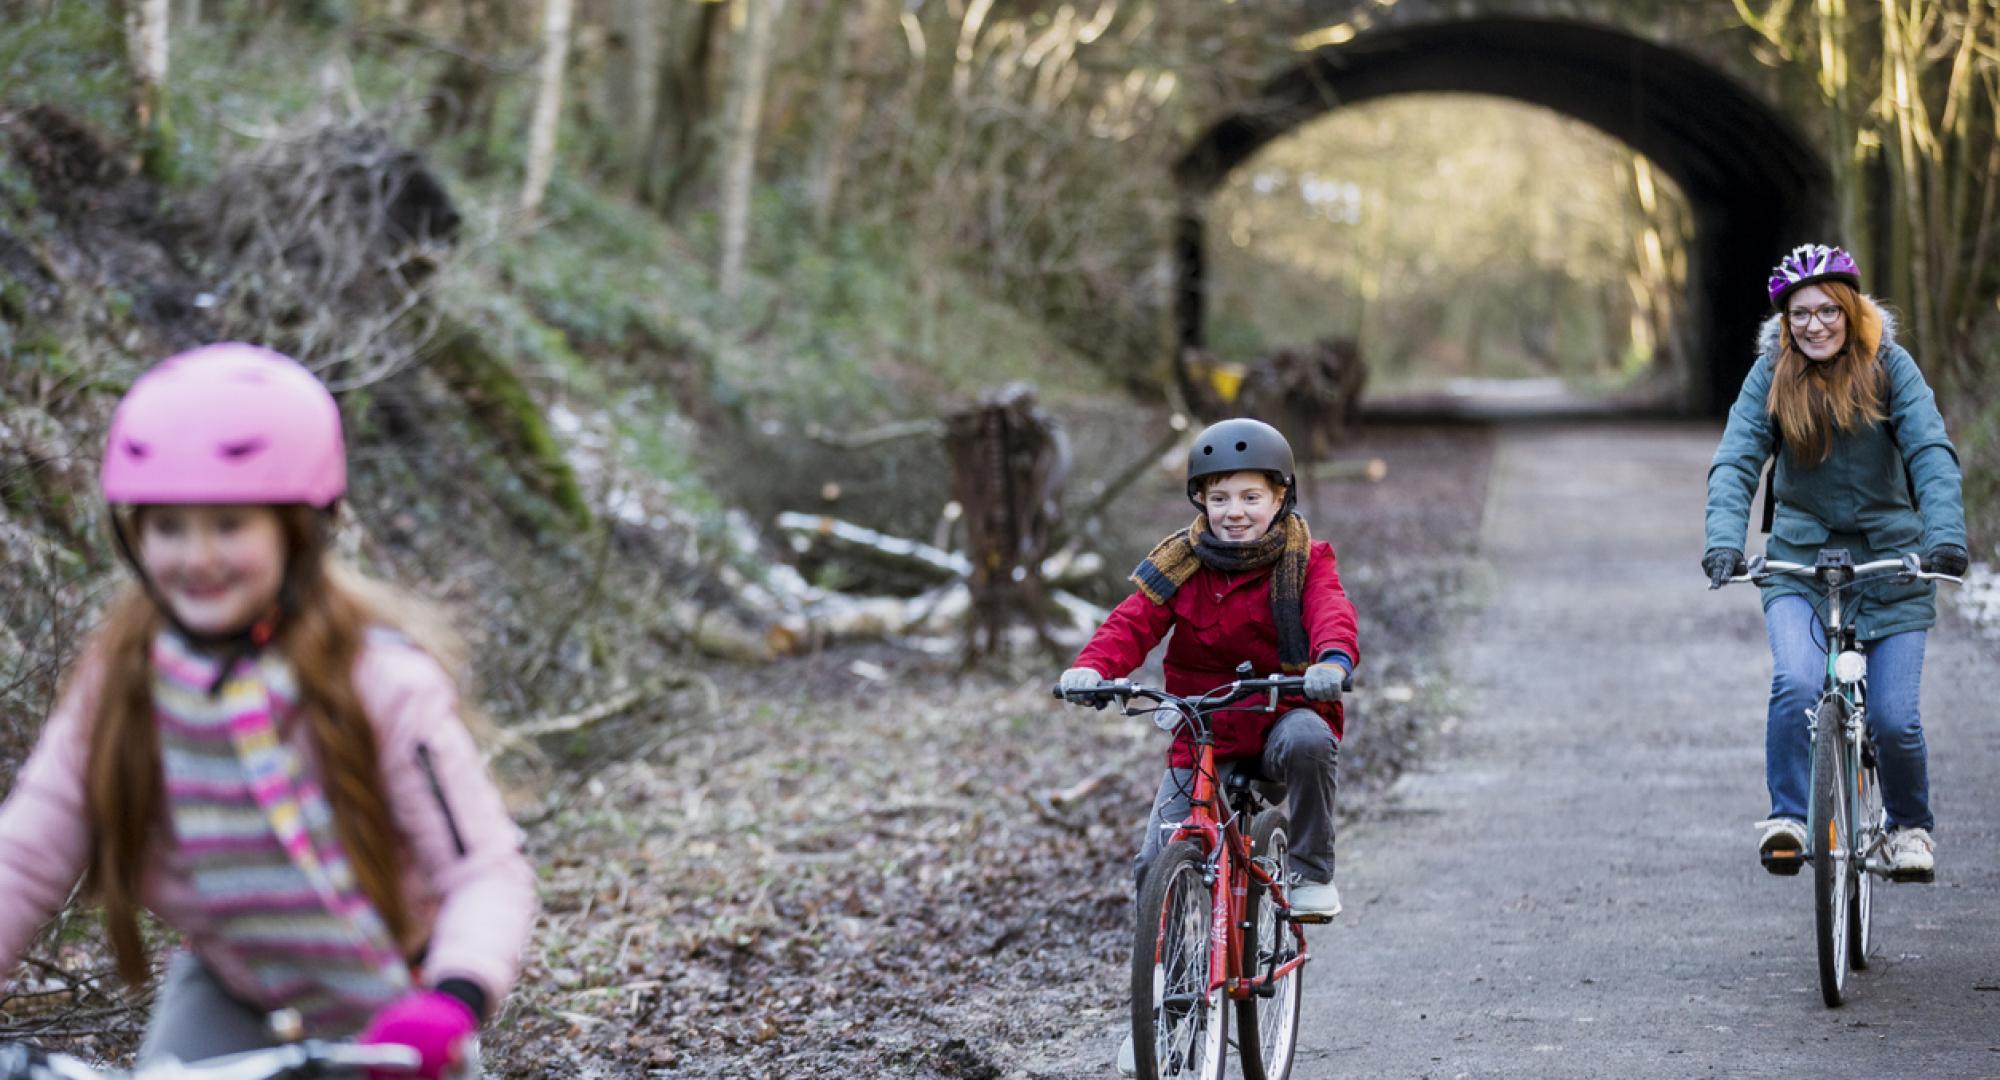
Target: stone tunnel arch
{"x":1753,"y":182}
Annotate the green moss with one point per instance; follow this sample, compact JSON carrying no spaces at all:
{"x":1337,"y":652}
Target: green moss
{"x":496,"y":394}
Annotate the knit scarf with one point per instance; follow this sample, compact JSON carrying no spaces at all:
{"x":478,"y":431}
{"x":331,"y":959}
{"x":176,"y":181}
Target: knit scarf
{"x":1287,"y":543}
{"x":255,"y":838}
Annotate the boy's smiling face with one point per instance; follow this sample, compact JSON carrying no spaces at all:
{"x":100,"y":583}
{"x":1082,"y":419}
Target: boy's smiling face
{"x":1241,"y":505}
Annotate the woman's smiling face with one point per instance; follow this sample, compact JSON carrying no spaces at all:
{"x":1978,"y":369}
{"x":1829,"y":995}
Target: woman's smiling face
{"x":1818,"y":325}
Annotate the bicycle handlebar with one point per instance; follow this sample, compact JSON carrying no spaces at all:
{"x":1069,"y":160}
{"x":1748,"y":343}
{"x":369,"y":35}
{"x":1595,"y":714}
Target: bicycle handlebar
{"x":1908,"y":565}
{"x":312,"y":1058}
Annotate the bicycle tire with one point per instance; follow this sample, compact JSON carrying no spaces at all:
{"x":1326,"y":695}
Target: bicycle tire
{"x":1178,"y":1024}
{"x":1267,"y":1028}
{"x":1869,"y":827}
{"x":1832,"y":835}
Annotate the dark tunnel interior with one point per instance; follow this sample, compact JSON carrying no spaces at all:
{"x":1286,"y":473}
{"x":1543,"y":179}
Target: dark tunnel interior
{"x":1755,"y":185}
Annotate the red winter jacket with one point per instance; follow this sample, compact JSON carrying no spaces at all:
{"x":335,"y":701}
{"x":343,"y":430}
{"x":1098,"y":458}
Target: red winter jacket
{"x":1219,"y":623}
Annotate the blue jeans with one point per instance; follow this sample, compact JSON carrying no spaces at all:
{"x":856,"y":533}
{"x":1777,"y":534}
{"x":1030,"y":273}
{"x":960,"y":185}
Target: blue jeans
{"x":1798,"y":672}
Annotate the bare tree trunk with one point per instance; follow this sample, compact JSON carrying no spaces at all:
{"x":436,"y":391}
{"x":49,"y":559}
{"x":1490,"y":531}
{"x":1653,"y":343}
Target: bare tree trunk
{"x":146,"y":48}
{"x":739,"y":157}
{"x":639,"y":88}
{"x":844,"y":94}
{"x":677,"y":152}
{"x":548,"y":105}
{"x":146,"y":28}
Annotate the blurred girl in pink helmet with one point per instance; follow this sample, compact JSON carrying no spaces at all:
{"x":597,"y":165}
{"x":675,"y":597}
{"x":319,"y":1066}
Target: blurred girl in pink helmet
{"x":251,"y":749}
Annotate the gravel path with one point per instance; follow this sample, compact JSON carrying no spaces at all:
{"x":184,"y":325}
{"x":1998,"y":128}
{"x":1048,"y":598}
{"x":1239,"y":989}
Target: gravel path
{"x":1569,"y":887}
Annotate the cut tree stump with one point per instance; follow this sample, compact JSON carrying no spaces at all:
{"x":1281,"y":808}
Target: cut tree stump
{"x":1009,"y":461}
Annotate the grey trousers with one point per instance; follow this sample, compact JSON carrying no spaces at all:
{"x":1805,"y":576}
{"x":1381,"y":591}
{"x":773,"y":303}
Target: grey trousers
{"x":1301,"y":753}
{"x":195,"y":1018}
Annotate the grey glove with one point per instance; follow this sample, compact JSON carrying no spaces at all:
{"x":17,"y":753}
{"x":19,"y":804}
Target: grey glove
{"x":1721,"y":564}
{"x":1323,"y":681}
{"x":1947,"y":559}
{"x":1079,"y":678}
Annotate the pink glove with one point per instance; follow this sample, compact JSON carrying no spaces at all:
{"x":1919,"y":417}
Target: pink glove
{"x":435,"y":1023}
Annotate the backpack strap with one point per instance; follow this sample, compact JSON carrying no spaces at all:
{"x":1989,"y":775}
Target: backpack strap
{"x":1770,"y":495}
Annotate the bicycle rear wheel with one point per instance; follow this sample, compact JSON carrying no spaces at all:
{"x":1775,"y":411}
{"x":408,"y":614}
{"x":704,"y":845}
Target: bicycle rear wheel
{"x":1178,"y":1022}
{"x":1267,"y":1028}
{"x":1832,"y":837}
{"x":1869,"y":828}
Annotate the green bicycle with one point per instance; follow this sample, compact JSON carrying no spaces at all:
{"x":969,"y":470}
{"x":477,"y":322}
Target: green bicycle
{"x":1846,"y":824}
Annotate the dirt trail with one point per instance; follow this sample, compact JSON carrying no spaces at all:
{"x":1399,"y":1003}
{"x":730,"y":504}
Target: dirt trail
{"x":1569,"y":888}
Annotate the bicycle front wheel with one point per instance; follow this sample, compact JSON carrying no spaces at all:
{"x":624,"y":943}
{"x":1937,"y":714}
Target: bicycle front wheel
{"x":1833,"y":871}
{"x":1267,"y":1028}
{"x":1177,"y":1021}
{"x":1869,"y":828}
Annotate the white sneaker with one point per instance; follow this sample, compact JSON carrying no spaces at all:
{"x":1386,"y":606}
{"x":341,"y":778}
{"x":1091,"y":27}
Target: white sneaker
{"x":1128,"y":1057}
{"x":1782,"y":847}
{"x":1912,"y":855}
{"x":1317,"y":900}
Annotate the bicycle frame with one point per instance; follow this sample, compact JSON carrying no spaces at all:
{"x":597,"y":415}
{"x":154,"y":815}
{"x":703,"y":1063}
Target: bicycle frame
{"x":1213,"y":824}
{"x":1840,"y":643}
{"x":1837,"y":574}
{"x":1229,"y":870}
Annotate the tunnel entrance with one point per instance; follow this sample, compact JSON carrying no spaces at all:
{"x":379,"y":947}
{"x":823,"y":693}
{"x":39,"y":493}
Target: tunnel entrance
{"x":1753,"y":185}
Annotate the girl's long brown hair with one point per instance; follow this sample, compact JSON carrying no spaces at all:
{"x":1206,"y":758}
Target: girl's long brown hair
{"x":1810,"y":399}
{"x":321,"y":636}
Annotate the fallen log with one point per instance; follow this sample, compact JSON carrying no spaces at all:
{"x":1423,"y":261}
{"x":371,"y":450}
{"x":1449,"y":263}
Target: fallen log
{"x":807,"y":529}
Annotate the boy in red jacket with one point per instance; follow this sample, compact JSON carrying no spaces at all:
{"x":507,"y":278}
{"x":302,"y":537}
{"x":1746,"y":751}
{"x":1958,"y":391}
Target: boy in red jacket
{"x":1245,"y":581}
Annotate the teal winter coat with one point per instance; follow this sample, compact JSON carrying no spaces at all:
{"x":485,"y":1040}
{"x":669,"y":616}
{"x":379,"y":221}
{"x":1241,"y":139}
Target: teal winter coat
{"x":1859,"y":498}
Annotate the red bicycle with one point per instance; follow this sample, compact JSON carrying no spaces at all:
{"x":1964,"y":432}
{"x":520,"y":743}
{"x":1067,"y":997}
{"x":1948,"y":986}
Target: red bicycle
{"x":1214,"y":925}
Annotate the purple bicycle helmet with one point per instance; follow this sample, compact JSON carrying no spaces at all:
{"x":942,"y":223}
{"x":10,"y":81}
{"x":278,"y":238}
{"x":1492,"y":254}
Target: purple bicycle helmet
{"x":1809,"y":263}
{"x":228,"y":423}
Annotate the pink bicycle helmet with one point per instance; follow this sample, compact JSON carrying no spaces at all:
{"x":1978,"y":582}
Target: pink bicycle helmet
{"x":1809,"y":263}
{"x":228,"y":423}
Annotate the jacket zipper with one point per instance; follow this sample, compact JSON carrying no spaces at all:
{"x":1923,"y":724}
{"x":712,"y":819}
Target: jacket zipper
{"x":437,"y":792}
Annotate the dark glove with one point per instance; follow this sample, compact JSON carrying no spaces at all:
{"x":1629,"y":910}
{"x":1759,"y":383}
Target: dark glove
{"x":1947,"y":559}
{"x":1721,"y":564}
{"x":1323,"y":682}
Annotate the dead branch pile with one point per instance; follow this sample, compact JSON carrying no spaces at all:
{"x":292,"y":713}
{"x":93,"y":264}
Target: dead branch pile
{"x":323,"y":244}
{"x":1312,"y":393}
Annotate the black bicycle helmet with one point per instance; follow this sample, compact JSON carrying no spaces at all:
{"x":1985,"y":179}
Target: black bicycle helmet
{"x":1236,"y":446}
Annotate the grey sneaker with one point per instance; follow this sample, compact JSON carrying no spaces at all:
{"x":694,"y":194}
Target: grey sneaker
{"x":1782,"y":847}
{"x":1911,"y":854}
{"x":1315,"y":901}
{"x":1128,"y":1058}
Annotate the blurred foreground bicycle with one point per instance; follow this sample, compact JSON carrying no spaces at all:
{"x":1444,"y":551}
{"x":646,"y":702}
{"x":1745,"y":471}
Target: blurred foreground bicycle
{"x":306,"y":1059}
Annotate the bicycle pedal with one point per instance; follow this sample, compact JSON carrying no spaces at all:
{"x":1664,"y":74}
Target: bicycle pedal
{"x":1782,"y":862}
{"x":1913,"y":877}
{"x":1312,"y":919}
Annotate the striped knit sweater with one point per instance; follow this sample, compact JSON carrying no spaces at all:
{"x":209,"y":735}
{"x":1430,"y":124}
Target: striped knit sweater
{"x":254,"y":834}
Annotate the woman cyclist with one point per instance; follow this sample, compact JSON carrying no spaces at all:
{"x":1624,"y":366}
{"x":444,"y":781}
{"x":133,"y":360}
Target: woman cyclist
{"x":251,"y":749}
{"x":1863,"y":463}
{"x":1244,"y":582}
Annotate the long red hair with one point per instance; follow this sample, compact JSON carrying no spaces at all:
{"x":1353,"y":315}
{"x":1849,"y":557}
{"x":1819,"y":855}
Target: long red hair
{"x":1811,"y":399}
{"x":321,"y":637}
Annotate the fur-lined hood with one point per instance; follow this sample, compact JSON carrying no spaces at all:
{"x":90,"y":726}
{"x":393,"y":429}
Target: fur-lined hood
{"x":1770,"y":335}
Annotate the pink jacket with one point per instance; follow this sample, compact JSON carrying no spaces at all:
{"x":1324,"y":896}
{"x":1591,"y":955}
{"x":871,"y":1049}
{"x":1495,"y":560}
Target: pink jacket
{"x":467,"y":882}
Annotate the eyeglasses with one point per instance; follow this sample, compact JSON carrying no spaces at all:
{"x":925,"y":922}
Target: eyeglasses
{"x":1827,"y":314}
